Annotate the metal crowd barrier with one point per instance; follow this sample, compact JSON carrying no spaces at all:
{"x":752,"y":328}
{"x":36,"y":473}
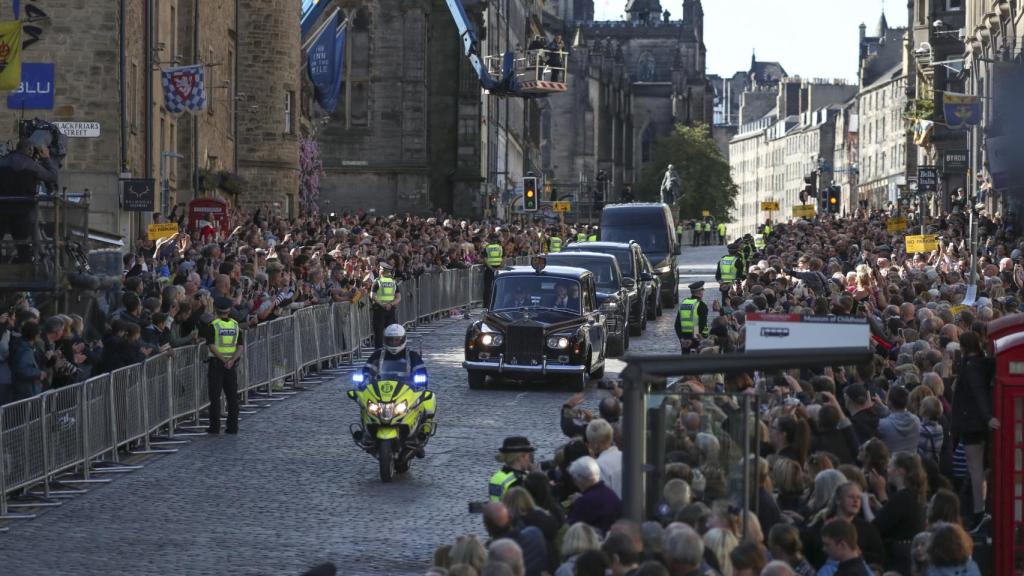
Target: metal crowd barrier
{"x":85,"y":426}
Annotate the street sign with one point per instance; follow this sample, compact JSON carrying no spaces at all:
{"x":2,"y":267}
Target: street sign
{"x":955,"y":161}
{"x":561,"y":206}
{"x":79,"y":129}
{"x":706,"y":213}
{"x":922,"y":243}
{"x":896,"y":224}
{"x":770,"y":206}
{"x":927,"y":178}
{"x":796,"y":332}
{"x":803,"y":211}
{"x":36,"y":90}
{"x":138,"y":194}
{"x":158,"y":231}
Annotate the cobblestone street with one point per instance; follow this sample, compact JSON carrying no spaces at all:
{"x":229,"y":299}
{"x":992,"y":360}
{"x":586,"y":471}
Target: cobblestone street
{"x":292,"y":490}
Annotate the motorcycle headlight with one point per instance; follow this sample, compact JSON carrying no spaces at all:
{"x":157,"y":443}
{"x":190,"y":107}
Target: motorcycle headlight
{"x":558,"y":342}
{"x":373,"y":408}
{"x":402,"y":408}
{"x":491,"y":339}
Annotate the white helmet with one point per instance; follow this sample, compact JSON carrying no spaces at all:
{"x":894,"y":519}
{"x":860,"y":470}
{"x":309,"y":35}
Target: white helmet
{"x":394,"y":338}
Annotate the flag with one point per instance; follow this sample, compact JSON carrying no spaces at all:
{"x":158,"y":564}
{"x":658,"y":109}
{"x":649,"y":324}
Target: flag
{"x":184,"y":89}
{"x":923,"y":131}
{"x":961,"y":110}
{"x":16,"y":5}
{"x":325,"y":63}
{"x":10,"y":55}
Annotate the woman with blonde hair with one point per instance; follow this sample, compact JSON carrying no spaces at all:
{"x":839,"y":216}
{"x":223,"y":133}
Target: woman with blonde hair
{"x":578,"y":539}
{"x":721,"y":542}
{"x":788,"y":479}
{"x":468,"y":550}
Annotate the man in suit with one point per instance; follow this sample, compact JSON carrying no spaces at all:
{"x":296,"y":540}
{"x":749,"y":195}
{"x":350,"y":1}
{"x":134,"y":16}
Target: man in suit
{"x":561,"y":296}
{"x":519,"y":297}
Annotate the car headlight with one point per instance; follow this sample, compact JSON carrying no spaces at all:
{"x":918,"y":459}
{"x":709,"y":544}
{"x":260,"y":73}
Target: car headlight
{"x":402,"y":408}
{"x":558,"y":342}
{"x":663,"y":270}
{"x":373,"y":408}
{"x":610,"y":304}
{"x":490,"y":339}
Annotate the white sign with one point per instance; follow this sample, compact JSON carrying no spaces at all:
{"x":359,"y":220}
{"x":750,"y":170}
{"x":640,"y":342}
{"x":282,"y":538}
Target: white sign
{"x":79,"y":129}
{"x":796,"y":332}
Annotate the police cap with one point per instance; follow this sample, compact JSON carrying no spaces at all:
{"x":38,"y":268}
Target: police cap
{"x":699,"y":285}
{"x":222,"y":304}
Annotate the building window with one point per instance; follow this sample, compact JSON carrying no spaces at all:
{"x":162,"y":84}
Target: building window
{"x":359,"y":75}
{"x":954,"y":5}
{"x":289,"y":100}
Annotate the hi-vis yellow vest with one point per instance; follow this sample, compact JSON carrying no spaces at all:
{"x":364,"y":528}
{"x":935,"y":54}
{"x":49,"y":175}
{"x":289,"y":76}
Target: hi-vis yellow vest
{"x":225,"y":337}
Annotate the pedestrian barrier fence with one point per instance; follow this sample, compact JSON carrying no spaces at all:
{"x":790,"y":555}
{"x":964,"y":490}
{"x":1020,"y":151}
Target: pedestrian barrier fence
{"x":85,"y":427}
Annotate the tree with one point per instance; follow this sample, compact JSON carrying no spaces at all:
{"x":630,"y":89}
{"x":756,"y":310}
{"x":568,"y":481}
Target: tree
{"x":704,"y":175}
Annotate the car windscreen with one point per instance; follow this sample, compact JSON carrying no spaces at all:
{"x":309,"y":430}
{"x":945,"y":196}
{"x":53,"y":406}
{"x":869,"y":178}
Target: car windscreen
{"x":603,"y":269}
{"x":653,"y":240}
{"x":515,"y":292}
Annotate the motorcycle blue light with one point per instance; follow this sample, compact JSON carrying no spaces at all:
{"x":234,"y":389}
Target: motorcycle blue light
{"x":419,"y":379}
{"x":358,"y":377}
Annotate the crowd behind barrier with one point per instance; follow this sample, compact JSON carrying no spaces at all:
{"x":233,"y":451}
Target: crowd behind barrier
{"x":82,"y":427}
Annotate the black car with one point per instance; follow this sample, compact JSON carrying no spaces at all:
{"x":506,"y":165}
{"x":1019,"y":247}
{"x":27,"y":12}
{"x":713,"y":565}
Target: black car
{"x":654,"y":299}
{"x":651,"y":225}
{"x":544,"y":323}
{"x":630,"y":258}
{"x":613,"y":292}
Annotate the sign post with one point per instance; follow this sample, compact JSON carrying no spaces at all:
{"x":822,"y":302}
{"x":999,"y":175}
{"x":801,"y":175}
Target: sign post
{"x":922,"y":243}
{"x":803,"y":211}
{"x":158,"y":231}
{"x":769,"y":332}
{"x":138,"y":194}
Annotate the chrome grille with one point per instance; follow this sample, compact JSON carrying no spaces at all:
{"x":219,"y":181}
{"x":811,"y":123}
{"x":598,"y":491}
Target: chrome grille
{"x":612,"y":323}
{"x":525,"y":344}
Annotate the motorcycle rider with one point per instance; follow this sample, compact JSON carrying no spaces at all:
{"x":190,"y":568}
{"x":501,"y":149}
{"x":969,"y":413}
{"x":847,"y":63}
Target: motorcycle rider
{"x":394,"y":349}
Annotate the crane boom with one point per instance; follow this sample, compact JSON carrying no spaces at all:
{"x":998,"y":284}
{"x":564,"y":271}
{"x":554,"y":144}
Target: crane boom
{"x":471,"y":48}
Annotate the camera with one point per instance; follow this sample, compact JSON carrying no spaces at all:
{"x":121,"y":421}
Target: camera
{"x":44,"y":134}
{"x":548,"y":465}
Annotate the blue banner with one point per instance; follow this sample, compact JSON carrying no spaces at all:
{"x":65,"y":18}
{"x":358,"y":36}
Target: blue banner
{"x":961,"y":110}
{"x":36,"y":90}
{"x":326,"y":62}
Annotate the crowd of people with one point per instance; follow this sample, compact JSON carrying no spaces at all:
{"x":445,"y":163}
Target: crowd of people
{"x":268,"y":266}
{"x":881,"y":468}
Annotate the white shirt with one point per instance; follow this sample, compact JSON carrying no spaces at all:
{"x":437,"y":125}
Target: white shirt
{"x":610,"y":462}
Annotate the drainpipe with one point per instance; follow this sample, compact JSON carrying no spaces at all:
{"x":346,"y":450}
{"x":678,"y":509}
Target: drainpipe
{"x":150,"y":64}
{"x":121,"y":67}
{"x":195,"y":117}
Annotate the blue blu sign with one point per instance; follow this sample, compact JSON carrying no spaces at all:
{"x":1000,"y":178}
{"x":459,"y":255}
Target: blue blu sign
{"x":36,"y":91}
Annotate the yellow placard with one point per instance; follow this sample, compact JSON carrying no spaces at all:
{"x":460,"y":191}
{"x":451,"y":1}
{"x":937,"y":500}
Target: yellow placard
{"x":958,"y":309}
{"x":10,"y":55}
{"x":706,"y":213}
{"x":922,"y":243}
{"x":803,"y":211}
{"x":158,"y":231}
{"x":896,"y":224}
{"x":561,"y":206}
{"x":769,"y":206}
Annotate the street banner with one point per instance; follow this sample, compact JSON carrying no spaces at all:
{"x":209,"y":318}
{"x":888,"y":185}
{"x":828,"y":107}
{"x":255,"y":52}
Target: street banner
{"x":961,"y":110}
{"x":325,"y":63}
{"x":923,"y":132}
{"x":158,"y":231}
{"x":10,"y":55}
{"x":184,"y":89}
{"x":138,"y":194}
{"x":770,"y":206}
{"x":803,"y":211}
{"x":797,"y":332}
{"x":36,"y":89}
{"x":561,"y":206}
{"x":920,"y":244}
{"x":896,"y":224}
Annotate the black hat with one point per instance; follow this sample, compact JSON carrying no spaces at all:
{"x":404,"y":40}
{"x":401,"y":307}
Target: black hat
{"x":222,"y":304}
{"x":515,"y":445}
{"x":699,"y":285}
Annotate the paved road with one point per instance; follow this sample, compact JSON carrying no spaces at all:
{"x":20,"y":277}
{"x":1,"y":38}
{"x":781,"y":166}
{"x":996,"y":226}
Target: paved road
{"x":292,"y":490}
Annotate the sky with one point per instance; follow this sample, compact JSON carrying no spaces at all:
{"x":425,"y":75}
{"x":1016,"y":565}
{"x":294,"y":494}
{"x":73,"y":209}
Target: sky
{"x":810,"y":38}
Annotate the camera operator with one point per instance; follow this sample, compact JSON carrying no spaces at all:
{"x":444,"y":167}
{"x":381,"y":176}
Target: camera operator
{"x":20,"y":174}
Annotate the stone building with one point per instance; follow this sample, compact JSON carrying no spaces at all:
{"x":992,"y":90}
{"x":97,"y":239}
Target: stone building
{"x":762,"y":78}
{"x":881,"y":104}
{"x":630,"y":82}
{"x":100,"y":55}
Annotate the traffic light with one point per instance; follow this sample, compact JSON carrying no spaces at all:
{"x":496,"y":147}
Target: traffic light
{"x":810,"y":188}
{"x":834,"y":199}
{"x":529,"y":193}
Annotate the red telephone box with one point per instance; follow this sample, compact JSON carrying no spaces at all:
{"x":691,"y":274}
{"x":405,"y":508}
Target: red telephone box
{"x":1005,"y":325}
{"x":209,"y":209}
{"x":1008,"y":458}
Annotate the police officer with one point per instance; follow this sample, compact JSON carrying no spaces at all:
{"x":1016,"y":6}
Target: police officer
{"x":729,"y":272}
{"x":385,"y":296}
{"x":679,"y":233}
{"x":692,"y":320}
{"x":707,"y":232}
{"x":695,"y":241}
{"x":581,"y":236}
{"x":495,"y":260}
{"x":554,"y":242}
{"x":516,"y":459}
{"x":226,"y":349}
{"x":593,"y":234}
{"x":394,"y":349}
{"x":721,"y":233}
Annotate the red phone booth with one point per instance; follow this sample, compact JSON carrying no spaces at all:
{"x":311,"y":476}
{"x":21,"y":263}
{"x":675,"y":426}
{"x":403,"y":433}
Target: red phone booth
{"x":1008,"y":458}
{"x":210,"y":210}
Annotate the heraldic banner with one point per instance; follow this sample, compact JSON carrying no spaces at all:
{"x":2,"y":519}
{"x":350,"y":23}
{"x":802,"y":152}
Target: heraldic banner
{"x":326,"y":59}
{"x":961,"y":110}
{"x":10,"y":55}
{"x":184,"y":89}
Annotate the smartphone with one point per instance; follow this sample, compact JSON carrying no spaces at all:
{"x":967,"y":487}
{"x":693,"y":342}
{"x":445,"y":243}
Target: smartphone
{"x":476,"y":507}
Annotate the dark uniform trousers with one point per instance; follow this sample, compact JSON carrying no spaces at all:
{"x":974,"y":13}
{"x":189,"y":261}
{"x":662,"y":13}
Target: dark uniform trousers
{"x":489,"y":274}
{"x":382,"y":318}
{"x":220,"y":378}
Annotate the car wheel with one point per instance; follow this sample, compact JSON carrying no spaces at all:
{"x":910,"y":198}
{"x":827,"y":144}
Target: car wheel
{"x":616,"y":346}
{"x":651,"y":312}
{"x":636,"y":329}
{"x":658,"y":305}
{"x":597,"y":374}
{"x":643,"y":316}
{"x":476,"y":379}
{"x":625,"y":339}
{"x":672,"y":300}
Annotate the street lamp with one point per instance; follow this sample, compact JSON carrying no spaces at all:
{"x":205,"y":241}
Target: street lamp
{"x":165,"y":184}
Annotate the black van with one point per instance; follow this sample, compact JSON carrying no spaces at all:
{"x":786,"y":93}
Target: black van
{"x":652,"y":227}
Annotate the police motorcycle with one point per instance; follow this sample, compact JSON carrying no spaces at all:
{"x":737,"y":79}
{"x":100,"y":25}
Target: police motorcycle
{"x":396,"y":409}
